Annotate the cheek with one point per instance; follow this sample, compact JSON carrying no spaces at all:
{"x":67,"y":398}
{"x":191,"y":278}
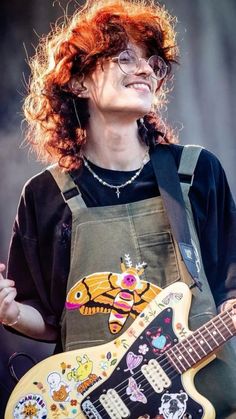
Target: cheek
{"x":105,"y":93}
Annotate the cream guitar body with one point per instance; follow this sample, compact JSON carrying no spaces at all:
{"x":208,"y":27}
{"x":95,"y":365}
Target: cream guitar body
{"x":145,"y":373}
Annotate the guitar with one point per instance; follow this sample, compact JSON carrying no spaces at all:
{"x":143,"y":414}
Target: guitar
{"x":146,"y":373}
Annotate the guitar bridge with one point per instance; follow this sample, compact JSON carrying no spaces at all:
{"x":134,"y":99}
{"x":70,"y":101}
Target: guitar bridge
{"x":156,"y":376}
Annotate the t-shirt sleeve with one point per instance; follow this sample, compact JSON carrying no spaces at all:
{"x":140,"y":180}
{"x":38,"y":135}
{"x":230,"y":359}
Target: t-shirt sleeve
{"x":215,"y":218}
{"x":32,"y":260}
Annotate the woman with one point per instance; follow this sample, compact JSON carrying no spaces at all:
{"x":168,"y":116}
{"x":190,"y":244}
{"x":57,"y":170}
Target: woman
{"x":98,"y":83}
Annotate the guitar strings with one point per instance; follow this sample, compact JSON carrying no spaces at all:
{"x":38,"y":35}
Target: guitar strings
{"x":160,"y":359}
{"x":175,"y":374}
{"x":136,"y":375}
{"x":147,"y":390}
{"x":180,"y":343}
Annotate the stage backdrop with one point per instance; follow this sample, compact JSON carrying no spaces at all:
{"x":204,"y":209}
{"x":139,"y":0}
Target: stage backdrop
{"x":202,"y":104}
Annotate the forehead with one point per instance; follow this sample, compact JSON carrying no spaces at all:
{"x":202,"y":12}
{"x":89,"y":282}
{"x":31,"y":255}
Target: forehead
{"x":140,"y":50}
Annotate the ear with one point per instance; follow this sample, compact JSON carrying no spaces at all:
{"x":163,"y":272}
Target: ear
{"x":182,"y":397}
{"x":77,"y":87}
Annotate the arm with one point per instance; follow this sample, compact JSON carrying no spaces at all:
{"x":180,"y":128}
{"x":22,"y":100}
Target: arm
{"x":39,"y":256}
{"x":23,"y":318}
{"x":215,"y":219}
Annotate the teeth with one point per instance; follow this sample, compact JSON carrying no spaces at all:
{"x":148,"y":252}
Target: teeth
{"x":138,"y":86}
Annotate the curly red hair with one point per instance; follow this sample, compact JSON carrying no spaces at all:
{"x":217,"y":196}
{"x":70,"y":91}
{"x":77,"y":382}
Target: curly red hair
{"x":56,"y":117}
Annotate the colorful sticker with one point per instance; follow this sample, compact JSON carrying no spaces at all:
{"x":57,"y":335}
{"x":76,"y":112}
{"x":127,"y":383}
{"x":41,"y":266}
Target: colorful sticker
{"x":88,"y":383}
{"x":58,"y":389}
{"x":181,"y":329}
{"x":143,"y":349}
{"x":82,"y":374}
{"x":120,"y":294}
{"x":173,"y":405}
{"x":172,"y":297}
{"x":82,"y":371}
{"x":58,"y":411}
{"x":159,"y":341}
{"x":40,"y":386}
{"x":108,"y":360}
{"x":31,"y":406}
{"x":133,"y":361}
{"x":135,"y":391}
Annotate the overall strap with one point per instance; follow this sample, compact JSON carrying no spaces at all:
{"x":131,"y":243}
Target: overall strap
{"x":165,"y":170}
{"x":188,"y":162}
{"x":69,"y":190}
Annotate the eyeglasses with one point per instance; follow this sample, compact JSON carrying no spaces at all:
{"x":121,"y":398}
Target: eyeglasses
{"x":129,"y":63}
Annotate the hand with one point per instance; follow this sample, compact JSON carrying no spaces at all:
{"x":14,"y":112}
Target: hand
{"x":9,"y":308}
{"x":230,"y":304}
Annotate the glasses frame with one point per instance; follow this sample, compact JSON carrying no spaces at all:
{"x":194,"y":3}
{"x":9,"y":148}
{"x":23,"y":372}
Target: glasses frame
{"x":138,"y":61}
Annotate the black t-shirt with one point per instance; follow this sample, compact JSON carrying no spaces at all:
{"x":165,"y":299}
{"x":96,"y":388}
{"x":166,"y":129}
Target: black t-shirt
{"x":39,"y":257}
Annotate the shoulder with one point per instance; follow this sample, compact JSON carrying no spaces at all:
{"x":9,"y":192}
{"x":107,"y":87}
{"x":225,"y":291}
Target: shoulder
{"x":42,"y":183}
{"x":40,"y":195}
{"x":42,"y":205}
{"x":207,"y":161}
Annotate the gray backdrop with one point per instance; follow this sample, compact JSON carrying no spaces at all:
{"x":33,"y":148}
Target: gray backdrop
{"x":202,"y":104}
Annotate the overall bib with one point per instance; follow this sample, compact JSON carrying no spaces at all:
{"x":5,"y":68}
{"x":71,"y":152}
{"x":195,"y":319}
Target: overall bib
{"x":136,"y":232}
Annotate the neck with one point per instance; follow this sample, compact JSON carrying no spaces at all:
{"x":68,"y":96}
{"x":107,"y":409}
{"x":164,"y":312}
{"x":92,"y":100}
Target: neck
{"x":113,"y":145}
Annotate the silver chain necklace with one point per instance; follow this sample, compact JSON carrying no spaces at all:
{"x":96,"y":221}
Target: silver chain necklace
{"x":116,"y":187}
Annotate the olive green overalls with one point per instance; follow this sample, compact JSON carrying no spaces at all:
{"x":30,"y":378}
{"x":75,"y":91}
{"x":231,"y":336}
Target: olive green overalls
{"x":139,"y":232}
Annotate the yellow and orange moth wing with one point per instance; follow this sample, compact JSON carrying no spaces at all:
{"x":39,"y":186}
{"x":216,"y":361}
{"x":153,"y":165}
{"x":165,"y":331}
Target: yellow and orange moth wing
{"x":100,"y":304}
{"x":143,"y":296}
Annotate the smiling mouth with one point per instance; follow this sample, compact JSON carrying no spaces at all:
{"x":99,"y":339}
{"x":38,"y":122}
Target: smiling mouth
{"x":139,"y":86}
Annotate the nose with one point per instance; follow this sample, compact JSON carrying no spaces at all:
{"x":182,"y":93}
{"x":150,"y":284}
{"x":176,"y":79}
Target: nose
{"x":144,"y":67}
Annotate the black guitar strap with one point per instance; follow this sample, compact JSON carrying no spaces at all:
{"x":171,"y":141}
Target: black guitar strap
{"x":165,"y":170}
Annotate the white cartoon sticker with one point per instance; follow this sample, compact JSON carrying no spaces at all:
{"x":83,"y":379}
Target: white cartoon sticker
{"x":173,"y":405}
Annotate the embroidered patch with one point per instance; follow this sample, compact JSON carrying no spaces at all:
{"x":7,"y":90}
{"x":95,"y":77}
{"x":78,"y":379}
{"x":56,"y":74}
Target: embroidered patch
{"x":120,"y":294}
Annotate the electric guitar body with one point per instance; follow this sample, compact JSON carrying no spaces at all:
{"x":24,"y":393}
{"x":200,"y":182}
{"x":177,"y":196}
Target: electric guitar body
{"x":146,"y":373}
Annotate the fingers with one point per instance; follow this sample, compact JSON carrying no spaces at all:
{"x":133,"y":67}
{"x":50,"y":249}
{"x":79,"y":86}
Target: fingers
{"x":8,"y":306}
{"x":4,"y":282}
{"x":2,"y":268}
{"x":8,"y":294}
{"x":229,"y":304}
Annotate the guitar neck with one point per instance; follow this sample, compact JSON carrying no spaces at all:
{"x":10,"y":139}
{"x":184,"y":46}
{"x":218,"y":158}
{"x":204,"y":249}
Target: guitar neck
{"x":202,"y":342}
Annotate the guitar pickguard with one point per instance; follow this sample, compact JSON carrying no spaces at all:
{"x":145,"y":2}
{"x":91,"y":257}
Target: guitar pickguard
{"x":144,"y":383}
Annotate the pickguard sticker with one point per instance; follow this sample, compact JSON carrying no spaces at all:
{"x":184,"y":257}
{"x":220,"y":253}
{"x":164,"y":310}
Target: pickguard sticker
{"x":120,"y":294}
{"x":133,"y":361}
{"x":135,"y":391}
{"x":159,"y":340}
{"x":173,"y":405}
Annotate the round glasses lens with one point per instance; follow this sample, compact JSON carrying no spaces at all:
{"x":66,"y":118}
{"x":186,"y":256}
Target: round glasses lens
{"x":128,"y":61}
{"x":158,"y":65}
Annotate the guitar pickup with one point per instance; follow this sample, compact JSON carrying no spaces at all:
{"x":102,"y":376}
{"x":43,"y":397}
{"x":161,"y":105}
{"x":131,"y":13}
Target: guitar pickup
{"x":114,"y":405}
{"x":156,"y":376}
